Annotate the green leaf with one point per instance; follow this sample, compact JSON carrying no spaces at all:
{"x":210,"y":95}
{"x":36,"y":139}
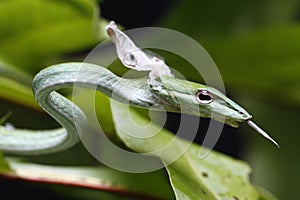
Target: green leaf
{"x":11,"y":72}
{"x":152,"y":185}
{"x":50,"y":28}
{"x":35,"y":32}
{"x":217,"y":176}
{"x":208,"y":179}
{"x":15,"y":86}
{"x":16,"y":92}
{"x":101,"y":108}
{"x":265,"y":195}
{"x":4,"y":166}
{"x":5,"y":117}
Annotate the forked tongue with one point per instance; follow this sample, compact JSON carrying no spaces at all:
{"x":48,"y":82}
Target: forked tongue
{"x":262,"y":132}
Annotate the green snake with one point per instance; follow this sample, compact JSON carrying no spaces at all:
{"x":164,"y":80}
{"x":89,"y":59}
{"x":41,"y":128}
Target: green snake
{"x":171,"y":94}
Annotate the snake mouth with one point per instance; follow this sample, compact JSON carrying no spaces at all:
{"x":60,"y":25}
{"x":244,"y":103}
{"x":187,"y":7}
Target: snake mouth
{"x":240,"y":115}
{"x":245,"y":117}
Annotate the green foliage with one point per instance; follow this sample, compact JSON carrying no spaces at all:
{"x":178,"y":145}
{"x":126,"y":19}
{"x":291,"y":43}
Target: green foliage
{"x":254,"y":43}
{"x":214,"y":177}
{"x":49,"y":29}
{"x":4,"y":166}
{"x":5,"y":117}
{"x":17,"y":92}
{"x":215,"y":18}
{"x":263,"y":61}
{"x":107,"y":179}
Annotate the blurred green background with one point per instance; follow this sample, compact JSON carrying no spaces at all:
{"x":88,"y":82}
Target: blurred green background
{"x":255,"y":44}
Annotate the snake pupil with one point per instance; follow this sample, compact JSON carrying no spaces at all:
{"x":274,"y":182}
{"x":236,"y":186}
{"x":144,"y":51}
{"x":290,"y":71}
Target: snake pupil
{"x":204,"y":97}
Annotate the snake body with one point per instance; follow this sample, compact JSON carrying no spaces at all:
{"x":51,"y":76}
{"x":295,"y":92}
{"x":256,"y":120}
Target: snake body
{"x":63,"y":110}
{"x":68,"y":75}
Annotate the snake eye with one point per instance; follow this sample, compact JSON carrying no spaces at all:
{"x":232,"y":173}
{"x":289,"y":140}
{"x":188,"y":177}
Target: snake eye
{"x":204,"y":96}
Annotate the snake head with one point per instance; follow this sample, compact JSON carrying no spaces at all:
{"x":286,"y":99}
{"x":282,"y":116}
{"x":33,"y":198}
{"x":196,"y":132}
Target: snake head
{"x":203,"y":101}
